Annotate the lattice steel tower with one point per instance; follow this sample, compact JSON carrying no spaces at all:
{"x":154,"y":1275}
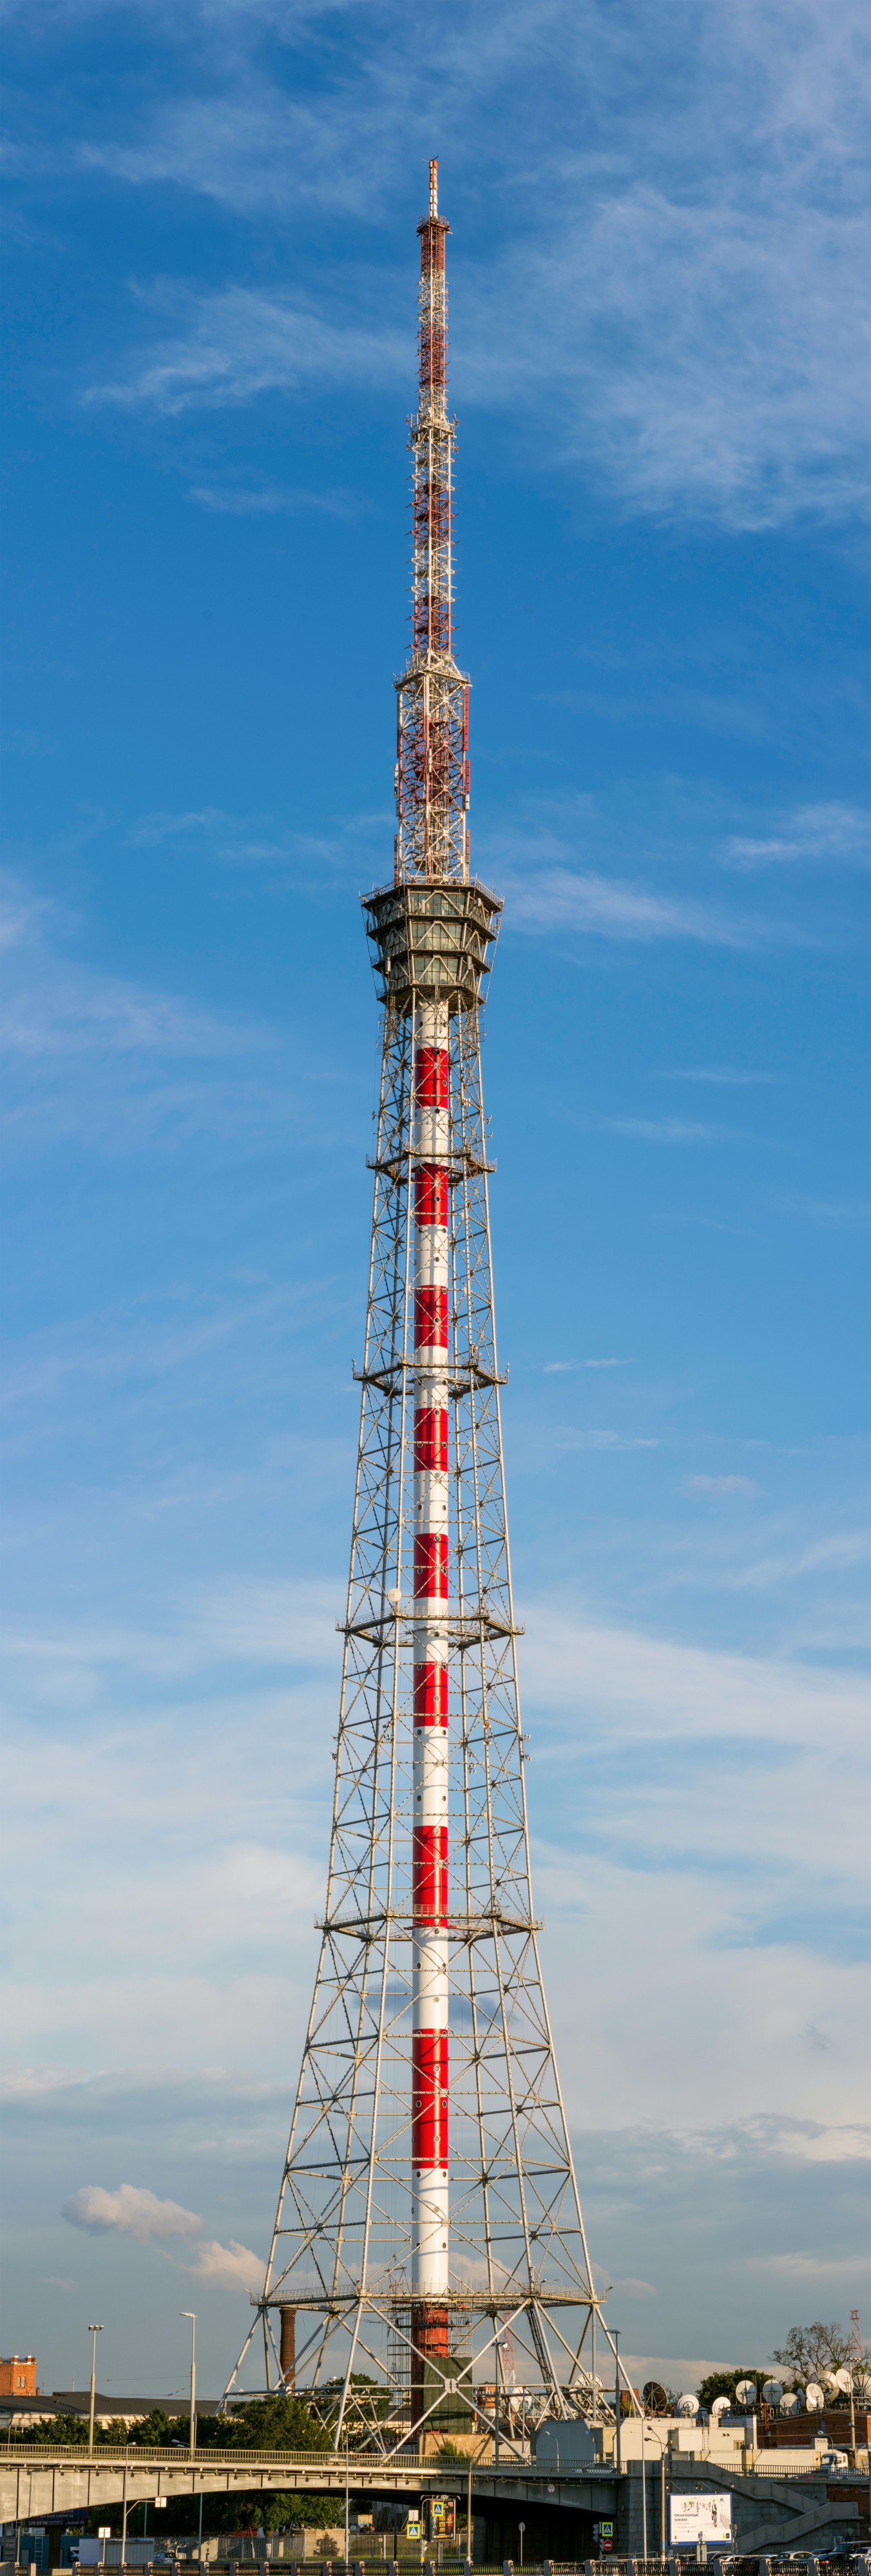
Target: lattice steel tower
{"x":428,"y":2203}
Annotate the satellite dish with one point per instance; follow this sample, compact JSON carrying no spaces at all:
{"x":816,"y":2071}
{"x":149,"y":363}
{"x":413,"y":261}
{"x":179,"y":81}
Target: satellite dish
{"x":814,"y":2399}
{"x":721,"y":2406}
{"x":842,"y":2380}
{"x":687,"y":2404}
{"x":654,"y":2397}
{"x":746,"y":2392}
{"x":831,"y":2379}
{"x":789,"y":2403}
{"x":862,"y":2383}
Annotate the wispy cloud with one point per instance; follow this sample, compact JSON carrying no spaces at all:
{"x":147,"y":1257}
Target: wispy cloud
{"x":670,"y":299}
{"x":56,"y":1008}
{"x":238,"y":343}
{"x":836,"y":1216}
{"x":720,"y":1485}
{"x":818,"y":835}
{"x":564,"y":899}
{"x":177,"y":1067}
{"x":306,"y":859}
{"x":556,"y":1368}
{"x":664,"y":1131}
{"x":728,"y":1076}
{"x":261,"y":501}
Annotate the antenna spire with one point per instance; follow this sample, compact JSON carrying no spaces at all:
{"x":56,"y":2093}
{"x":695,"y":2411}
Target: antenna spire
{"x":432,"y":764}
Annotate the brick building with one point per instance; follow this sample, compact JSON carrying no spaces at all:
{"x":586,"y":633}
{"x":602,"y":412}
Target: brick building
{"x":18,"y":2376}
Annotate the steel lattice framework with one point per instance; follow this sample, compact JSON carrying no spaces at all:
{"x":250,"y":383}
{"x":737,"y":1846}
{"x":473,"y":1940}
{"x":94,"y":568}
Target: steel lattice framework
{"x":428,"y":2203}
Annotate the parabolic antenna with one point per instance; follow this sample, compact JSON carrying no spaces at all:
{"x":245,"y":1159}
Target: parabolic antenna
{"x":773,"y":2391}
{"x":789,"y":2403}
{"x":654,"y":2397}
{"x":687,"y":2404}
{"x":721,"y":2406}
{"x":842,"y":2380}
{"x":746,"y":2392}
{"x":815,"y":2397}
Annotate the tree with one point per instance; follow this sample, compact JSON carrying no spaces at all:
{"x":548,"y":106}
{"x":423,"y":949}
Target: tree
{"x":158,"y":2431}
{"x":276,"y":2423}
{"x":811,"y":2350}
{"x":723,"y":2383}
{"x":72,"y":2430}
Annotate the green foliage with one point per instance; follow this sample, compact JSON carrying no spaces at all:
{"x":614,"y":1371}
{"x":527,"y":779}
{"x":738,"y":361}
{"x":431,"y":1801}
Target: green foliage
{"x":71,"y":2431}
{"x":810,"y":2350}
{"x":723,"y":2383}
{"x":158,"y":2431}
{"x":275,"y":2423}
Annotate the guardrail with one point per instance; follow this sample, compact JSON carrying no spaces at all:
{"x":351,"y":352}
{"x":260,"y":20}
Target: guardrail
{"x":362,"y":2464}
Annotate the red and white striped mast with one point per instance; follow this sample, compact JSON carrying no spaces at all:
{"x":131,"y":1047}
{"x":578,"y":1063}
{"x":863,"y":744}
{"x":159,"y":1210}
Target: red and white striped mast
{"x":425,"y":817}
{"x":396,"y":2259}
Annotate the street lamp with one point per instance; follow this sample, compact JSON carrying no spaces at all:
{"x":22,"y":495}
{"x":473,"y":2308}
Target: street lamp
{"x":662,"y":2514}
{"x":521,"y":2528}
{"x":93,"y":2330}
{"x":191,"y":2314}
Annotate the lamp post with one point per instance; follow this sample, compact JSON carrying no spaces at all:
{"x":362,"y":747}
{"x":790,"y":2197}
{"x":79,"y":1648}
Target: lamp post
{"x":191,"y":2314}
{"x":521,"y":2528}
{"x":643,"y":2490}
{"x":93,"y":2330}
{"x":662,"y":2495}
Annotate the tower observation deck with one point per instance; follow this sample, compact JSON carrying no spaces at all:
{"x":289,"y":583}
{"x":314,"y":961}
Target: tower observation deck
{"x":428,"y":2223}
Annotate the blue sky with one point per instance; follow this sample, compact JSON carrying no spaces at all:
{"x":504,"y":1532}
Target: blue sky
{"x":656,"y":363}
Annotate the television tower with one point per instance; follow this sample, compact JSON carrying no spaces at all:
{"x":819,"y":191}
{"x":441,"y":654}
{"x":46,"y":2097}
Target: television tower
{"x":428,"y":2218}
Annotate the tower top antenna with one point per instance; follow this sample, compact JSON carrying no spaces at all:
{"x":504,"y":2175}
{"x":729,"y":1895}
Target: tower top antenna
{"x":433,"y":188}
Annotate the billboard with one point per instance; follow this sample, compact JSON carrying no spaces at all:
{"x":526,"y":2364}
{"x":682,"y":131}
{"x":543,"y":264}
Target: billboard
{"x":700,"y":2517}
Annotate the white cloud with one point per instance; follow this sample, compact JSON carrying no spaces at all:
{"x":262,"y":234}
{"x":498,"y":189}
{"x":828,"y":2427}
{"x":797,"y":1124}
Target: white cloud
{"x":562,"y":899}
{"x":720,"y":1485}
{"x":273,"y":500}
{"x":720,"y":1073}
{"x":131,"y":2211}
{"x":805,"y":2270}
{"x":665,"y":1131}
{"x":229,"y":2267}
{"x":559,"y":1368}
{"x":818,"y":835}
{"x":850,"y":1216}
{"x":134,"y":2211}
{"x":238,"y":343}
{"x":669,"y":296}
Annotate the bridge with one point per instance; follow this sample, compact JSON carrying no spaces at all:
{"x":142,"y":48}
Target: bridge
{"x":773,"y":2510}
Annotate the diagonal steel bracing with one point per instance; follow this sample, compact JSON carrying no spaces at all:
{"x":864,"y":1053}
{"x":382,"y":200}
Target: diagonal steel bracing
{"x":428,"y":2192}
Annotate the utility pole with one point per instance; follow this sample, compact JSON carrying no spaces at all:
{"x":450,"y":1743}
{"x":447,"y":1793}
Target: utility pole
{"x":93,"y":2330}
{"x":643,"y":2488}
